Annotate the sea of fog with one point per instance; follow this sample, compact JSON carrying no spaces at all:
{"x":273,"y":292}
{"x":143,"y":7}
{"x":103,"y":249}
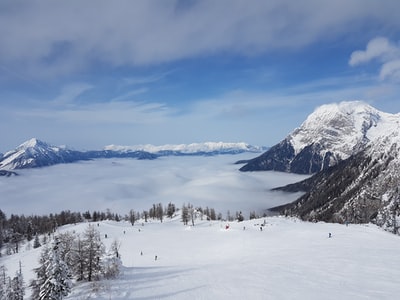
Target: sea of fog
{"x":124,"y":184}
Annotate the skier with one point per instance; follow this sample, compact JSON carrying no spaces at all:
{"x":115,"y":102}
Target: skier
{"x":330,"y":235}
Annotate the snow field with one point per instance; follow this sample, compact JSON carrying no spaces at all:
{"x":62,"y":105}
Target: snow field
{"x":289,"y":259}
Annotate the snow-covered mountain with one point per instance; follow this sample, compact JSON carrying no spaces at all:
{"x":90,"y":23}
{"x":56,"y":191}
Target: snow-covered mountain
{"x":330,"y":134}
{"x":363,"y":188}
{"x":35,"y":153}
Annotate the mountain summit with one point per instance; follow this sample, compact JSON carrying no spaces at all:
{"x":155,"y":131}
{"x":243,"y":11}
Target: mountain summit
{"x":332,"y":133}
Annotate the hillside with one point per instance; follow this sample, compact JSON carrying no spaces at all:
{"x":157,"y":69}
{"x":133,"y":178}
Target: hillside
{"x":288,"y":259}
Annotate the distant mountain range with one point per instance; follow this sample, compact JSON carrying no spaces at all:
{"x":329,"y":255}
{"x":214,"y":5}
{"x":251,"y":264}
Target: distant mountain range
{"x":35,"y":153}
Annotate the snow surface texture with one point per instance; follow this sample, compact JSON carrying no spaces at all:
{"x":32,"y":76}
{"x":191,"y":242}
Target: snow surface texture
{"x":123,"y":184}
{"x":288,"y":259}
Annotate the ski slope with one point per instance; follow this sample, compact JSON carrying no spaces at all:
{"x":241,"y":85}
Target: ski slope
{"x":288,"y":259}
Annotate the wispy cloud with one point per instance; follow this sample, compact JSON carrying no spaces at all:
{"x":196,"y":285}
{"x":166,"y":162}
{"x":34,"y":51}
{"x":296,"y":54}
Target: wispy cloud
{"x":69,"y":93}
{"x":129,"y":96}
{"x":142,"y":80}
{"x":115,"y":112}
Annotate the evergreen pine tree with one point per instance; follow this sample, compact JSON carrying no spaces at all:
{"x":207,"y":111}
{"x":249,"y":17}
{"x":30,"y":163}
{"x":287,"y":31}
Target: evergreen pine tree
{"x":57,"y":282}
{"x":40,"y":271}
{"x":3,"y":282}
{"x":36,"y":243}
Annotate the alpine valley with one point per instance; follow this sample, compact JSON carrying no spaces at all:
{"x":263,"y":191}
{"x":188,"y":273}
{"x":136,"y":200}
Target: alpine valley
{"x":349,"y":149}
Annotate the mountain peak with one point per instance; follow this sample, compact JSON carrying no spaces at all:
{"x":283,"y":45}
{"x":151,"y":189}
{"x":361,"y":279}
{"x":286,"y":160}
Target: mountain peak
{"x":337,"y":127}
{"x":32,"y":143}
{"x":333,"y":132}
{"x":348,"y":107}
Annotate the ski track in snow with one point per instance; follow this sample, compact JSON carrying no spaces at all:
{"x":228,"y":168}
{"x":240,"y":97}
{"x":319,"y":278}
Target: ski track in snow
{"x":288,"y":259}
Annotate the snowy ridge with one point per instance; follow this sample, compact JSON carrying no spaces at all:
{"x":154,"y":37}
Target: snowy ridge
{"x":206,"y":147}
{"x":332,"y":133}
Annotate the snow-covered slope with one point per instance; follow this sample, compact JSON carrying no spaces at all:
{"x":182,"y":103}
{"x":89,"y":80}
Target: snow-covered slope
{"x":35,"y":153}
{"x":289,"y":259}
{"x":330,"y":134}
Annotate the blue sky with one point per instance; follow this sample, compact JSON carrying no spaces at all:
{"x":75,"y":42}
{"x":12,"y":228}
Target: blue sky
{"x":93,"y":73}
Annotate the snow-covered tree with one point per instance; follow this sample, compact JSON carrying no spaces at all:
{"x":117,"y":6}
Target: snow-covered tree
{"x":3,"y":282}
{"x":111,"y":262}
{"x":40,"y":271}
{"x":7,"y":290}
{"x":192,"y":213}
{"x":36,"y":243}
{"x":132,"y":216}
{"x":12,"y":289}
{"x":17,"y":287}
{"x":170,"y":210}
{"x":53,"y":276}
{"x":92,"y":252}
{"x":185,"y":214}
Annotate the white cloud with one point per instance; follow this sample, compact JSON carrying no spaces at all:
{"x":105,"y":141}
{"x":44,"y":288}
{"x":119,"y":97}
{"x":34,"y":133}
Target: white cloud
{"x":46,"y":38}
{"x":385,"y":52}
{"x":378,"y":48}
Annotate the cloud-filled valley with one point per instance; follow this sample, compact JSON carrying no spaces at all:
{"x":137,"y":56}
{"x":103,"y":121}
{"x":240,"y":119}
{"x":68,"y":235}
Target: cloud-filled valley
{"x":124,"y":184}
